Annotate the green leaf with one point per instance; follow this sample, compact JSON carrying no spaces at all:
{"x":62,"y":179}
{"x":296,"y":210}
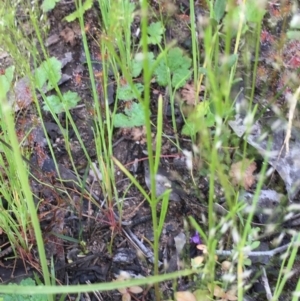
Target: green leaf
{"x":177,"y":59}
{"x":48,"y":5}
{"x":162,"y":75}
{"x":247,"y":262}
{"x":155,"y":32}
{"x":134,"y":116}
{"x":201,"y":109}
{"x":210,"y":120}
{"x":137,"y":64}
{"x":71,"y":99}
{"x":219,"y":9}
{"x":202,"y":295}
{"x":293,"y":34}
{"x":180,"y":77}
{"x":255,"y":245}
{"x":55,"y":105}
{"x":231,"y":60}
{"x":76,"y":14}
{"x":175,"y":65}
{"x":16,"y":297}
{"x":6,"y":81}
{"x":198,"y":117}
{"x":190,"y":129}
{"x":127,"y":93}
{"x":49,"y":71}
{"x":254,"y":11}
{"x":27,"y":282}
{"x":202,"y":70}
{"x":253,"y":14}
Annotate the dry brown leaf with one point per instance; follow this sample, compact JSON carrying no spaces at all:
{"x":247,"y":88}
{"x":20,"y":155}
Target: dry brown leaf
{"x":139,"y":134}
{"x":124,"y":276}
{"x":222,"y":295}
{"x":203,"y":248}
{"x":124,"y":131}
{"x":241,"y":173}
{"x":226,"y":265}
{"x":68,"y":35}
{"x":135,"y":289}
{"x":231,"y":295}
{"x":123,"y":81}
{"x":198,"y":260}
{"x":123,"y":290}
{"x":21,"y":96}
{"x":53,"y":39}
{"x":168,"y":7}
{"x":188,"y":93}
{"x":218,"y":291}
{"x":77,"y":29}
{"x":185,"y":296}
{"x":27,"y":28}
{"x":126,"y":297}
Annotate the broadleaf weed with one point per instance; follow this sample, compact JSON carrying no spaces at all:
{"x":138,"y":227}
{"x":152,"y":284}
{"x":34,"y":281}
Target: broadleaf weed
{"x":49,"y":72}
{"x":155,"y":33}
{"x":134,"y":116}
{"x":175,"y":67}
{"x":54,"y":104}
